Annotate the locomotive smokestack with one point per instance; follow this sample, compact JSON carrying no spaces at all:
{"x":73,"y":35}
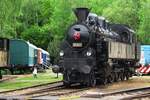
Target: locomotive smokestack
{"x":81,"y":13}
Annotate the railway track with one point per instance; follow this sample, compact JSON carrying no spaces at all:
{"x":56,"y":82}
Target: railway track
{"x":7,"y":79}
{"x":139,"y":96}
{"x":124,"y":94}
{"x":32,"y":88}
{"x":57,"y":89}
{"x":53,"y":89}
{"x":43,"y":91}
{"x":61,"y":91}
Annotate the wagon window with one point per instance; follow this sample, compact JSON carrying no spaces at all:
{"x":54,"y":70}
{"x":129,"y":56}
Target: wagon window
{"x":35,"y":53}
{"x":5,"y":44}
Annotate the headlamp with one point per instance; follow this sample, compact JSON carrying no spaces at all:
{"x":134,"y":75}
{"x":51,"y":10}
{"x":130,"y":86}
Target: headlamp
{"x":89,"y":53}
{"x":61,"y":53}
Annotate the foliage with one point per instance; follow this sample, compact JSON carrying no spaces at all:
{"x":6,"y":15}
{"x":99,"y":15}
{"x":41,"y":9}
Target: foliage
{"x":44,"y":22}
{"x":144,"y":26}
{"x":10,"y":9}
{"x":53,"y":49}
{"x":123,"y":11}
{"x":36,"y":35}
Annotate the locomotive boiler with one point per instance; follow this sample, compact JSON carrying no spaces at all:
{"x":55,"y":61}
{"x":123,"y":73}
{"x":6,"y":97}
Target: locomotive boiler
{"x":95,"y":50}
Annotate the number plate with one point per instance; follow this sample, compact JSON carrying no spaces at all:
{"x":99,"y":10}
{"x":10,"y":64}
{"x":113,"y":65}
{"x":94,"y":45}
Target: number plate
{"x":77,"y":44}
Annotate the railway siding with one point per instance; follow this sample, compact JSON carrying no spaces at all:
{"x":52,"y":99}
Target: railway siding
{"x":31,"y":88}
{"x":124,"y":93}
{"x":58,"y":91}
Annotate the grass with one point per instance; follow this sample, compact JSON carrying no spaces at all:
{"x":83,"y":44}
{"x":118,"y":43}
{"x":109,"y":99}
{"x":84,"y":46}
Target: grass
{"x":29,"y":80}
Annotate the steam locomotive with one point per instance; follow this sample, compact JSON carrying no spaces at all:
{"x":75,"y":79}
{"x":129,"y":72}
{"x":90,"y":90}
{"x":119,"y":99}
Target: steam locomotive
{"x":95,"y":50}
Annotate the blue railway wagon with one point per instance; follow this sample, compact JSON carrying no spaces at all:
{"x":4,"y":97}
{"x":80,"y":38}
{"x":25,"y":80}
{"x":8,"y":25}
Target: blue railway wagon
{"x":43,"y":57}
{"x":22,"y":53}
{"x":145,"y":54}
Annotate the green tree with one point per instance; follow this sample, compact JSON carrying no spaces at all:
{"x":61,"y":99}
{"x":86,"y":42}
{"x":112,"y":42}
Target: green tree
{"x":124,"y":12}
{"x":53,"y":49}
{"x":10,"y":9}
{"x":38,"y":36}
{"x":34,"y":21}
{"x":144,"y":26}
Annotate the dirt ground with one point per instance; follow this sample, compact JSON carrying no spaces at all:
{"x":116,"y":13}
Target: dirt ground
{"x":134,"y":82}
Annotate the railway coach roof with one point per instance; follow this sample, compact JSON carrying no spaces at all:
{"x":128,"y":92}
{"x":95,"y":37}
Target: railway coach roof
{"x":31,"y":45}
{"x":145,"y":47}
{"x":25,"y":42}
{"x":45,"y":52}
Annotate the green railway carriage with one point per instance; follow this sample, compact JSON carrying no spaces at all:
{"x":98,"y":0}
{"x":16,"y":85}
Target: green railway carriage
{"x":17,"y":54}
{"x":22,"y":53}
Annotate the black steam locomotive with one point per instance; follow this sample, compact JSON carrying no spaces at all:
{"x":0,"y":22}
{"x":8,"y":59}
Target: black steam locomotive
{"x":95,"y":50}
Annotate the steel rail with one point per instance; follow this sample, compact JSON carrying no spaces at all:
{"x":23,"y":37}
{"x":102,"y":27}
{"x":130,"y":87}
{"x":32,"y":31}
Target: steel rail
{"x":30,"y":87}
{"x":122,"y":92}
